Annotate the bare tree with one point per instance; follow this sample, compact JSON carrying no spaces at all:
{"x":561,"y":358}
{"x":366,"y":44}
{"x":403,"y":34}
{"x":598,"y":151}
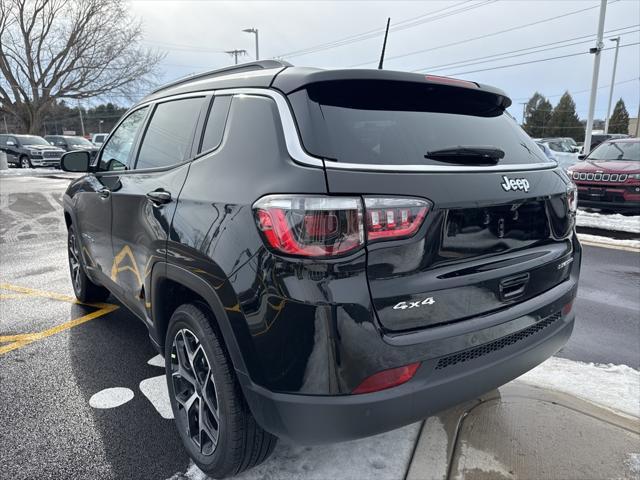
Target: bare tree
{"x":68,"y":49}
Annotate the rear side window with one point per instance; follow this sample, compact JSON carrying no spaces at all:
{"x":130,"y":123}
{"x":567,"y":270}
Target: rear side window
{"x":396,"y":123}
{"x":168,"y":138}
{"x":216,"y":120}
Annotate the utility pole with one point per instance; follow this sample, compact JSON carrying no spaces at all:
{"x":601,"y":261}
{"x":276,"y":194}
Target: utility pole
{"x":81,"y":119}
{"x":638,"y":123}
{"x":235,"y":53}
{"x":6,"y":129}
{"x":613,"y":81}
{"x":255,"y":32}
{"x":594,"y":80}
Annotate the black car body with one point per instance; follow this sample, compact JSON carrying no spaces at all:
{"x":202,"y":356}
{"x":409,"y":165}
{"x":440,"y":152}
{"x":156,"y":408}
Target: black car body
{"x":361,"y":275}
{"x":72,"y":142}
{"x":28,"y":151}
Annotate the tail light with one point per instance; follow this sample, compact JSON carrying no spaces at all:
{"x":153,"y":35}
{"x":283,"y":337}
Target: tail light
{"x":572,"y":197}
{"x":393,"y":218}
{"x":310,"y":226}
{"x":387,"y":379}
{"x":322,"y":226}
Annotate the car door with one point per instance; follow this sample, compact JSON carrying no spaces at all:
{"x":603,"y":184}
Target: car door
{"x":144,"y":203}
{"x":93,"y":207}
{"x":11,"y":148}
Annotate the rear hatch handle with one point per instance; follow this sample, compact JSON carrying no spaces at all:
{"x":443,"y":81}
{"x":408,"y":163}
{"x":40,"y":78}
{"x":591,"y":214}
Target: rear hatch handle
{"x":513,"y":287}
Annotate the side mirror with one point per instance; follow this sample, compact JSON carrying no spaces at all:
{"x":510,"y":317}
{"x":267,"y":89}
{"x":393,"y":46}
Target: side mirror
{"x":77,"y":161}
{"x":582,"y":156}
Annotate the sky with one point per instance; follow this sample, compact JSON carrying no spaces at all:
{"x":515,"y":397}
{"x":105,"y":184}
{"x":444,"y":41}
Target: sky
{"x":195,"y":35}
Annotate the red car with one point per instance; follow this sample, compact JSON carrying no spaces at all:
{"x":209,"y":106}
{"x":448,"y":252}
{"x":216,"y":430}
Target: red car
{"x":609,"y":177}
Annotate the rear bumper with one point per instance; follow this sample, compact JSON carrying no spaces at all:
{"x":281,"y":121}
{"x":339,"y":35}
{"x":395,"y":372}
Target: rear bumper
{"x":438,"y":384}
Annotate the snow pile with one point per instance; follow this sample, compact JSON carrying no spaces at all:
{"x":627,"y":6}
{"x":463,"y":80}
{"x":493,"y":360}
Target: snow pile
{"x":615,"y":222}
{"x":383,"y":457}
{"x":21,"y":172}
{"x":608,"y":242}
{"x":616,"y":387}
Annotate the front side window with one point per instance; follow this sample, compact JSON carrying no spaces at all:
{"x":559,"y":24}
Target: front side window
{"x":115,"y":154}
{"x":621,"y":151}
{"x":168,"y":138}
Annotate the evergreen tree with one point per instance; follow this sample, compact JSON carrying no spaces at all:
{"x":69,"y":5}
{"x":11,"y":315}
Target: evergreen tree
{"x":564,"y":120}
{"x":537,"y":115}
{"x":619,"y":121}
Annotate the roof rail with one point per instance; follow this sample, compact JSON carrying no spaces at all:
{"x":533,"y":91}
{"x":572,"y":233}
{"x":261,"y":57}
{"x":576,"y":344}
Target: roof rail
{"x":258,"y":65}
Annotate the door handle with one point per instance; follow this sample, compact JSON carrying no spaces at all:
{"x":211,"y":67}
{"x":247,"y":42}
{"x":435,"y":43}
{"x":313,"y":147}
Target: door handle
{"x":104,"y":192}
{"x":159,"y":197}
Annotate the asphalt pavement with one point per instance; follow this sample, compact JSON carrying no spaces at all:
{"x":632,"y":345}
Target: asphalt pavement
{"x":60,"y":360}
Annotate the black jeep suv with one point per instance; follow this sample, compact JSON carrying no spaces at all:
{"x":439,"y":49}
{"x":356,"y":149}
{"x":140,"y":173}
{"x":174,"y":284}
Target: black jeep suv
{"x":325,"y":255}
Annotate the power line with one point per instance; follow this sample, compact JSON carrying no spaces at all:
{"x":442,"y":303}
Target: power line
{"x":578,"y":92}
{"x":402,"y":25}
{"x":538,"y":61}
{"x":493,"y":57}
{"x":487,"y":35}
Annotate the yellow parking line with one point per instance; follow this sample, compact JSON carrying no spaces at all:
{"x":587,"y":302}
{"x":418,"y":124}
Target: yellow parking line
{"x":22,"y":339}
{"x":26,"y":339}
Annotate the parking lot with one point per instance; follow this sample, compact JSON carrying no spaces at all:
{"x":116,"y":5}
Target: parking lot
{"x":83,"y":392}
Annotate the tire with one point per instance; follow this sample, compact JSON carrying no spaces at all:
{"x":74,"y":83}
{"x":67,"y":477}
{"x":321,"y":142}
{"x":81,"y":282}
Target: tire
{"x":25,"y":162}
{"x":194,"y":354}
{"x":85,"y":290}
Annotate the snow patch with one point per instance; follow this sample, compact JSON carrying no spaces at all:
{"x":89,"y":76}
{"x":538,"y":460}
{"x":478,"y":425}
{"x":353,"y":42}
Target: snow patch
{"x":384,"y":456}
{"x":472,"y":458}
{"x":605,"y":241}
{"x":157,"y":392}
{"x":157,"y":361}
{"x":616,"y":387}
{"x":633,"y":463}
{"x":111,"y":397}
{"x":615,"y":222}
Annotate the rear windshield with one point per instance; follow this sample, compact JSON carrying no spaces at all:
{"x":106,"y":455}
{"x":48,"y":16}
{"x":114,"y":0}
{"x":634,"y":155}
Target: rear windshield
{"x":395,"y":123}
{"x":629,"y":151}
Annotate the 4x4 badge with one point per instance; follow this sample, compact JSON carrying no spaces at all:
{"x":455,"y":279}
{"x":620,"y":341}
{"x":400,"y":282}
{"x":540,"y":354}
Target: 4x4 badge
{"x":514,"y":184}
{"x":405,"y":305}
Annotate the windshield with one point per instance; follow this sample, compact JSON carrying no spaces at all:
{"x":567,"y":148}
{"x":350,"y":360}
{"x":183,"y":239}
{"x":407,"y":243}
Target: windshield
{"x":32,"y":140}
{"x":396,"y":123}
{"x":79,"y":141}
{"x":628,"y":151}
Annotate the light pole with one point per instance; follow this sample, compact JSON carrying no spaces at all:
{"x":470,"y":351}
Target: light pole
{"x":255,"y":32}
{"x":235,"y":53}
{"x":100,"y":122}
{"x":613,"y":81}
{"x":594,"y":79}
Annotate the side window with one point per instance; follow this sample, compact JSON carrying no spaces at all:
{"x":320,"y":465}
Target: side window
{"x":167,"y":140}
{"x":216,"y":120}
{"x":116,"y":151}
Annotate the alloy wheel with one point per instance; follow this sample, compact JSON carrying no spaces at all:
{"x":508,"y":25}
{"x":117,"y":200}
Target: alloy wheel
{"x":74,"y":261}
{"x":24,"y":163}
{"x":195,"y":391}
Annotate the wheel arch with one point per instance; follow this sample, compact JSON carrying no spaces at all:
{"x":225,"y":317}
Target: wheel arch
{"x":165,"y":279}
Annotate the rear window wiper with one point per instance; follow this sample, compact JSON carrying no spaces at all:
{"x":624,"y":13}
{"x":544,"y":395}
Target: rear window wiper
{"x":467,"y":154}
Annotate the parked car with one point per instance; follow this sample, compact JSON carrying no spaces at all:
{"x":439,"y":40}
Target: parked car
{"x":325,"y":255}
{"x":598,"y":138}
{"x":563,"y":152}
{"x":29,"y":151}
{"x":69,"y":143}
{"x":546,"y":150}
{"x":609,"y":177}
{"x":99,"y":138}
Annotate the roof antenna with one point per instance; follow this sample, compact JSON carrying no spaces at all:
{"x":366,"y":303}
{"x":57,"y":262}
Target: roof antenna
{"x":384,"y":45}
